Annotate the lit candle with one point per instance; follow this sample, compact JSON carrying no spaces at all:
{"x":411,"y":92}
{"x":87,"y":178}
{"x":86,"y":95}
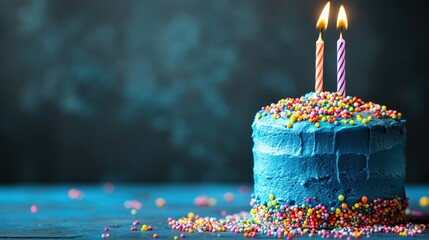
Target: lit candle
{"x":321,"y":24}
{"x":341,"y":52}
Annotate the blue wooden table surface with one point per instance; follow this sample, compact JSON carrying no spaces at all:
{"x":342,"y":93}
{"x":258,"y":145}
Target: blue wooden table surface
{"x":83,"y":211}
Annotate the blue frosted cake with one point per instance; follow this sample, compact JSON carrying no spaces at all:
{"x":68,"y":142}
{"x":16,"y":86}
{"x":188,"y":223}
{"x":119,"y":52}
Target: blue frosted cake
{"x":338,"y":152}
{"x":324,"y":165}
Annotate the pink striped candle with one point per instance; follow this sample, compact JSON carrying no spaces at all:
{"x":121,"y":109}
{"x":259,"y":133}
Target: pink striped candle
{"x":341,"y":52}
{"x":320,"y":45}
{"x":321,"y":24}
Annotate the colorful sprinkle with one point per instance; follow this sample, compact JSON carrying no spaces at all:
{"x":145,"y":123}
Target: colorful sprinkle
{"x":144,"y":228}
{"x":228,"y":197}
{"x":212,"y":202}
{"x":201,"y":201}
{"x":75,"y":194}
{"x":341,"y":198}
{"x":424,"y":201}
{"x":282,"y":220}
{"x":191,"y":215}
{"x":160,"y":202}
{"x":328,"y":107}
{"x":34,"y":208}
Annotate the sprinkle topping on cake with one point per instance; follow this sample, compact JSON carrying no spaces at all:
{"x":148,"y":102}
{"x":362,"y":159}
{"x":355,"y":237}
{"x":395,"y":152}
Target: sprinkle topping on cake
{"x":328,"y":107}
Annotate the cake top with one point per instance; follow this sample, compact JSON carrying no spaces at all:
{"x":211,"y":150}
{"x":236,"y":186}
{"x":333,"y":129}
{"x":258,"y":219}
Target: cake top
{"x":327,"y":108}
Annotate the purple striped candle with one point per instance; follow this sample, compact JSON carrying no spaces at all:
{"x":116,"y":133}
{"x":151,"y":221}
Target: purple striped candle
{"x":341,"y":66}
{"x":341,"y":52}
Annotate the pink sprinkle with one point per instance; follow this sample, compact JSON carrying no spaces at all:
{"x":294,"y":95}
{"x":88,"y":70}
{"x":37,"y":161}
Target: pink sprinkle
{"x":201,"y":201}
{"x":182,"y":235}
{"x":109,"y":187}
{"x":133,"y":204}
{"x":149,"y":228}
{"x":416,"y":213}
{"x":243,"y":189}
{"x":106,"y":229}
{"x":74,"y":193}
{"x":135,"y":223}
{"x":33,"y":208}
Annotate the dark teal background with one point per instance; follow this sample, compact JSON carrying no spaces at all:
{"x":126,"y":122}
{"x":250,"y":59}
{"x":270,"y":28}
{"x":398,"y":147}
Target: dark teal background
{"x":163,"y":91}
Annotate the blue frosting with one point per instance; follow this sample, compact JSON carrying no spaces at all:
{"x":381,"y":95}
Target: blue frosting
{"x":331,"y":160}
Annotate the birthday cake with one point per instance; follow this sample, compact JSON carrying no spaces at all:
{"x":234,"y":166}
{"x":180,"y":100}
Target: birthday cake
{"x":324,"y":165}
{"x":329,"y":161}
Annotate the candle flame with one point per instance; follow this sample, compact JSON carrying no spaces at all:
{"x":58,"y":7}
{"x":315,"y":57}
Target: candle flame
{"x":322,"y":23}
{"x":342,"y":19}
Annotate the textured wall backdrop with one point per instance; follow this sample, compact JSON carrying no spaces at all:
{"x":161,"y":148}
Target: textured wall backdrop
{"x":167,"y":90}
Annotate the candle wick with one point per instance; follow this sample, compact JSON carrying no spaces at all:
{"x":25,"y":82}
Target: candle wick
{"x":320,"y":34}
{"x":341,"y":32}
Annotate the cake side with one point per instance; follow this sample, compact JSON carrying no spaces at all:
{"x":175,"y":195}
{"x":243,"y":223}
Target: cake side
{"x":325,"y":163}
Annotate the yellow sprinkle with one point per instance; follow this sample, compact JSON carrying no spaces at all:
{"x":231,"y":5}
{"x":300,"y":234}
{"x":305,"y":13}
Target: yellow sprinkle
{"x":317,"y":125}
{"x":212,"y":202}
{"x":356,"y":205}
{"x":289,"y":124}
{"x":424,"y":201}
{"x":364,"y":121}
{"x":352,"y":122}
{"x":344,"y":121}
{"x":133,"y":212}
{"x":323,"y":119}
{"x":399,"y":114}
{"x":191,"y":215}
{"x":271,"y":196}
{"x":144,"y":228}
{"x":369,"y":118}
{"x":274,"y":202}
{"x":176,"y":238}
{"x":258,"y":116}
{"x":383,"y":107}
{"x":293,"y":118}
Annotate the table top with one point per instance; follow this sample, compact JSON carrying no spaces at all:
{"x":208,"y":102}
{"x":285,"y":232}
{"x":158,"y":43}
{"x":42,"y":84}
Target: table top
{"x":84,"y":211}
